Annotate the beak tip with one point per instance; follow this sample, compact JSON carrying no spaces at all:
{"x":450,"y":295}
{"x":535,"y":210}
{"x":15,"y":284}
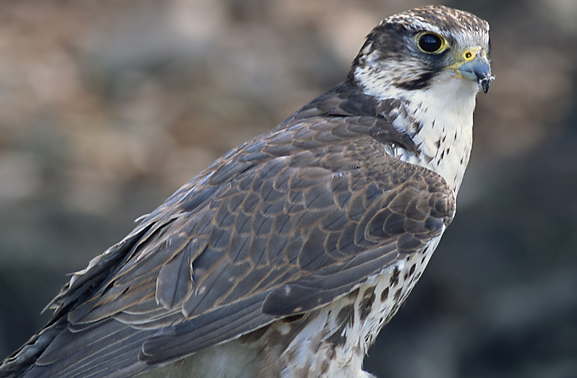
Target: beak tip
{"x":477,"y":69}
{"x":486,"y":82}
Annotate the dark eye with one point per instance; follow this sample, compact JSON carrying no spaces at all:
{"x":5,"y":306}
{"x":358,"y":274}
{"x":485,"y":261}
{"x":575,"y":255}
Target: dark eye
{"x":430,"y":43}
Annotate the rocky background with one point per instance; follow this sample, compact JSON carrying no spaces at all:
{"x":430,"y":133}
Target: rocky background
{"x":107,"y":107}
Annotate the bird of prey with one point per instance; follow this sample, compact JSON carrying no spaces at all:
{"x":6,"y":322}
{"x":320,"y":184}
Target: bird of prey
{"x":286,"y":256}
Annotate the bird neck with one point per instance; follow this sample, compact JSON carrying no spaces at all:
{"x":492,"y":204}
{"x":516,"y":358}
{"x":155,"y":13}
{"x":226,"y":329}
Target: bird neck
{"x":438,"y":118}
{"x":441,"y":127}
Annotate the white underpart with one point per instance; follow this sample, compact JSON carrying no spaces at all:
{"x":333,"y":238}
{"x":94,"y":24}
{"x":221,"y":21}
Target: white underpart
{"x":445,"y":111}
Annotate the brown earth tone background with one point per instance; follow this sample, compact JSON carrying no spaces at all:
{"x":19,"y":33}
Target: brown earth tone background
{"x":107,"y":107}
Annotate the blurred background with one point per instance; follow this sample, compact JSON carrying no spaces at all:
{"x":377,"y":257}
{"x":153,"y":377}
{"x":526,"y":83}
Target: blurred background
{"x":107,"y":107}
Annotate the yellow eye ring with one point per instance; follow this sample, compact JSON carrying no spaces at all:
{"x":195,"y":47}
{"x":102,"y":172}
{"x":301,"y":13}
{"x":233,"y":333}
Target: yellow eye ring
{"x":431,"y":43}
{"x":468,"y":55}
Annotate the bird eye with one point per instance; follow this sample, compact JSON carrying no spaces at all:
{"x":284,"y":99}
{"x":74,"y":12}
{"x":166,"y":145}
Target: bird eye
{"x":430,"y":43}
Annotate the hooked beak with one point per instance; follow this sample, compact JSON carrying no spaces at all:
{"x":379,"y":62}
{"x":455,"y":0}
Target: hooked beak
{"x":477,"y":69}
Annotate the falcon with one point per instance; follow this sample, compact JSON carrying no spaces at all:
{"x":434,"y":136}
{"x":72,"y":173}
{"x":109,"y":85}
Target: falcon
{"x":287,"y":256}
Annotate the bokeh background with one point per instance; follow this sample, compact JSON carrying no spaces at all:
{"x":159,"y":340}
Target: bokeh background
{"x":107,"y":107}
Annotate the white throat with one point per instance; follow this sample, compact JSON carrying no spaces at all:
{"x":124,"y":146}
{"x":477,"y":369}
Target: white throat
{"x":439,"y":118}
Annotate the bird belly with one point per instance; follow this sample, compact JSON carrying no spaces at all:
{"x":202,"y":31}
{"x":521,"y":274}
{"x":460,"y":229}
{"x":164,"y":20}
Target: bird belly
{"x":332,"y":341}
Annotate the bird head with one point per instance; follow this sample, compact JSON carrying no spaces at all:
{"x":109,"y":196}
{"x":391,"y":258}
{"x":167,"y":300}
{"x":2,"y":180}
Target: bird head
{"x":423,"y":48}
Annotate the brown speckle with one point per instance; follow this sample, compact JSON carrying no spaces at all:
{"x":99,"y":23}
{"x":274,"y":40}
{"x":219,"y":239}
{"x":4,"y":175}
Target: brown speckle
{"x":346,"y":314}
{"x":398,"y":294}
{"x":353,"y":294}
{"x":410,"y":272}
{"x":394,"y":277}
{"x":345,"y":317}
{"x":385,"y":294}
{"x":367,"y":302}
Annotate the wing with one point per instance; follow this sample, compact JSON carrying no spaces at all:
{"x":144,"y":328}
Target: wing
{"x":284,"y":224}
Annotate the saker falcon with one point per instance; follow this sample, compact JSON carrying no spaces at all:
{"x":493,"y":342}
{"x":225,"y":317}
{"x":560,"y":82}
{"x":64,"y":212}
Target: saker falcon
{"x":286,"y":256}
